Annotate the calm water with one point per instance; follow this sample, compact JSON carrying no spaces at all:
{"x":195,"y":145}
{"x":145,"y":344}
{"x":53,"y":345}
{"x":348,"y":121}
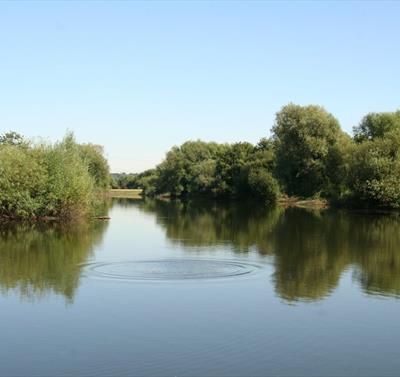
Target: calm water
{"x":202,"y":289}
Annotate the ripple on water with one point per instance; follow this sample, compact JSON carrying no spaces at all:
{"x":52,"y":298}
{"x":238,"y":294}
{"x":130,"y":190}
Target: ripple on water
{"x":171,"y":269}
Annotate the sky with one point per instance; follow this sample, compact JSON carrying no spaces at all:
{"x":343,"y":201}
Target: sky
{"x":141,"y":77}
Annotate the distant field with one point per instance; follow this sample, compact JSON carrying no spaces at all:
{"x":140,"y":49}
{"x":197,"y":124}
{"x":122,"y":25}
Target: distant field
{"x":125,"y":193}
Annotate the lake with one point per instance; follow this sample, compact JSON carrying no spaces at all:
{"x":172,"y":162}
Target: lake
{"x":202,"y":289}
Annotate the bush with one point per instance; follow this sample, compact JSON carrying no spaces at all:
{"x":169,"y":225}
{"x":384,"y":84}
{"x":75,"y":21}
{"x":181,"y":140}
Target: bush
{"x":374,"y":179}
{"x":375,"y":173}
{"x":70,"y":186}
{"x":23,"y":179}
{"x":263,"y":185}
{"x":47,"y":180}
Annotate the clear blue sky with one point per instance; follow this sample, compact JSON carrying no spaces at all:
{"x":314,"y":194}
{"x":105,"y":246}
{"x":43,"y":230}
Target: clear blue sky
{"x":139,"y":77}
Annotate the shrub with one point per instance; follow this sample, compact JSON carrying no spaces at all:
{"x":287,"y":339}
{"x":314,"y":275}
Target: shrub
{"x":49,"y":180}
{"x":263,"y":185}
{"x":375,"y":172}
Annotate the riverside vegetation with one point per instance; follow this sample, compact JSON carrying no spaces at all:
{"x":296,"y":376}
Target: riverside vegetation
{"x":41,"y":180}
{"x":308,"y":156}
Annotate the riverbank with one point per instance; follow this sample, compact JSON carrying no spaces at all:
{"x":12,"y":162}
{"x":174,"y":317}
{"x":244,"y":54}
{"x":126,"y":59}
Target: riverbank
{"x":125,"y":193}
{"x":283,"y":201}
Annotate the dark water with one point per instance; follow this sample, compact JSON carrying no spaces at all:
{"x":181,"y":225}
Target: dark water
{"x":202,"y":289}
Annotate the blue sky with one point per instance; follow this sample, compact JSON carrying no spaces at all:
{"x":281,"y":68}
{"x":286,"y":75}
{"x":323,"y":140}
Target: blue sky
{"x":140,"y":77}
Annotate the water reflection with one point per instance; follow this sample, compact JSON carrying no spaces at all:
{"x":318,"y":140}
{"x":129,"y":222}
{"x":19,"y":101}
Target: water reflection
{"x":206,"y":223}
{"x":311,"y":249}
{"x":38,"y":259}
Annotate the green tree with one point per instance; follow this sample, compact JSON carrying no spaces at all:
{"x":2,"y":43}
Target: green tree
{"x":125,"y":181}
{"x":374,"y":178}
{"x":149,"y":182}
{"x":230,"y":179}
{"x":188,"y":169}
{"x":304,"y":136}
{"x":375,"y":172}
{"x":93,"y":156}
{"x":377,"y":125}
{"x":23,"y":180}
{"x":197,"y":168}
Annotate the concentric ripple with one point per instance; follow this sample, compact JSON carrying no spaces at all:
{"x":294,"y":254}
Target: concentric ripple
{"x":171,"y":269}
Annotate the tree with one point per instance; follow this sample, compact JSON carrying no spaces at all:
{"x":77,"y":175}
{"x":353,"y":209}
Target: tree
{"x":257,"y":173}
{"x":377,"y":125}
{"x":149,"y":182}
{"x":230,"y":179}
{"x":375,"y":165}
{"x":188,"y":169}
{"x":197,"y":168}
{"x":93,"y":155}
{"x":125,"y":181}
{"x":304,"y":138}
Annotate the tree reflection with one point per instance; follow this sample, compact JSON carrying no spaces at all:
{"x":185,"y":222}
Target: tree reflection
{"x":376,"y":251}
{"x":310,"y":253}
{"x":207,"y":223}
{"x":36,"y":259}
{"x":311,"y":248}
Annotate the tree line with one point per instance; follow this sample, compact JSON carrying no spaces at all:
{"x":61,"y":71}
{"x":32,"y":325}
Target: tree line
{"x":307,"y":156}
{"x":60,"y":180}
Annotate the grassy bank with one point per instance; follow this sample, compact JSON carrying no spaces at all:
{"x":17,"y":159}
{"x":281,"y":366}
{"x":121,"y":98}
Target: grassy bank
{"x":125,"y":193}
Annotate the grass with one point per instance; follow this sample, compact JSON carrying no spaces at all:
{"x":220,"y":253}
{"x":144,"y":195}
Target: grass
{"x":126,"y":193}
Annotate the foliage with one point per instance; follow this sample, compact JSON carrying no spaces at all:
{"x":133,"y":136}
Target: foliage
{"x":305,"y":137}
{"x":23,"y":179}
{"x":309,"y":155}
{"x":188,"y":169}
{"x":263,"y":185}
{"x":377,"y":125}
{"x":374,"y":179}
{"x":197,"y":168}
{"x":375,"y":172}
{"x":93,"y":155}
{"x":148,"y":181}
{"x":124,"y":181}
{"x":42,"y":180}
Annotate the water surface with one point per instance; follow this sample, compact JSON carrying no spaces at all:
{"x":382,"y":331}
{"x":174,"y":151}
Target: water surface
{"x":202,"y":288}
